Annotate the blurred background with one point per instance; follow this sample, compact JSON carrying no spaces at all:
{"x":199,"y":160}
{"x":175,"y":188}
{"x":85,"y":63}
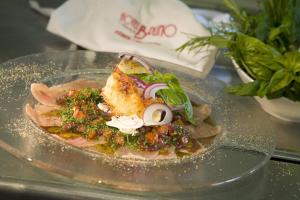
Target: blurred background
{"x":23,"y":29}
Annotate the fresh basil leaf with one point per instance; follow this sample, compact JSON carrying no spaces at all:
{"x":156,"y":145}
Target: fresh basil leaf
{"x":171,"y":97}
{"x":274,"y":32}
{"x":265,"y":45}
{"x":297,"y":79}
{"x":276,"y":94}
{"x":259,"y":58}
{"x":294,"y":92}
{"x":188,"y":108}
{"x":174,"y":95}
{"x":291,"y":60}
{"x":245,"y":89}
{"x":263,"y":89}
{"x":279,"y":80}
{"x":262,"y":27}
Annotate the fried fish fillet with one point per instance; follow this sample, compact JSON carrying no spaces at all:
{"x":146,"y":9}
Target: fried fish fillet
{"x":122,"y":95}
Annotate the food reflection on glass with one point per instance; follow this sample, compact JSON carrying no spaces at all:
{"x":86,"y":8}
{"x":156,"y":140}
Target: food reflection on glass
{"x":140,"y":113}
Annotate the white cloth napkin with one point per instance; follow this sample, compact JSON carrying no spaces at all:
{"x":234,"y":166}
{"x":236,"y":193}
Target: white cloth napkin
{"x":152,"y":28}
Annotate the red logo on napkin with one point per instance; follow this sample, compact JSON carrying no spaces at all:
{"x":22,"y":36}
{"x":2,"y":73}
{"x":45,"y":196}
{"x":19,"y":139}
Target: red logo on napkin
{"x":141,"y":31}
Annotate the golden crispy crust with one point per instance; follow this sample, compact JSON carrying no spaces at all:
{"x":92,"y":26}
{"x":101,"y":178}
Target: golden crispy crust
{"x":122,"y":95}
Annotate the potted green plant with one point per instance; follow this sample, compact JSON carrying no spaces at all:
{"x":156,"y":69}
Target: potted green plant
{"x":265,"y":50}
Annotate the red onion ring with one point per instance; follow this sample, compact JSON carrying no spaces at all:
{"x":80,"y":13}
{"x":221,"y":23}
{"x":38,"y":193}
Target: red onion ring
{"x":151,"y":89}
{"x":149,"y":112}
{"x":139,"y":83}
{"x":139,"y":59}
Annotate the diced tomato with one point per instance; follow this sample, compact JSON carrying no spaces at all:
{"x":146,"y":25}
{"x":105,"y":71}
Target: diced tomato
{"x":71,"y":93}
{"x":80,"y":128}
{"x":107,"y":133}
{"x":164,"y":129}
{"x":78,"y":114}
{"x":92,"y":134}
{"x":151,"y":137}
{"x":119,"y":139}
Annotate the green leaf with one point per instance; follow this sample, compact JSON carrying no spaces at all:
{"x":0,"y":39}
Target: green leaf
{"x":245,"y":89}
{"x":174,"y":95}
{"x":171,"y":97}
{"x":275,"y":32}
{"x":297,"y":79}
{"x":235,"y":11}
{"x":263,"y":89}
{"x":188,"y":108}
{"x":291,"y":60}
{"x":266,"y":46}
{"x":279,"y":80}
{"x":294,"y":92}
{"x":257,"y":58}
{"x":261,"y":28}
{"x":276,"y":94}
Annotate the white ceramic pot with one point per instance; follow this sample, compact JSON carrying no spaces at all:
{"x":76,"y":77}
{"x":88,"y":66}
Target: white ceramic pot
{"x":281,"y":108}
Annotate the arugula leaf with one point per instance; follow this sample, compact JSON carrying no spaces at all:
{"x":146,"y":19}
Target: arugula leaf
{"x":174,"y":95}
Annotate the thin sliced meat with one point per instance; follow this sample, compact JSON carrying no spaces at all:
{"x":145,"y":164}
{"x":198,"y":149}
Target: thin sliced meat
{"x":204,"y":130}
{"x":201,"y":112}
{"x":43,"y":94}
{"x":31,"y":113}
{"x":126,"y":152}
{"x":197,"y":149}
{"x":168,"y":153}
{"x":39,"y":116}
{"x":48,"y":95}
{"x":81,"y":142}
{"x":78,"y":84}
{"x":44,"y":109}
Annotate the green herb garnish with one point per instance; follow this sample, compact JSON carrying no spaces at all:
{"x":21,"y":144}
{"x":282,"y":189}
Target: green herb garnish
{"x":266,"y":46}
{"x":174,"y":95}
{"x":86,"y":99}
{"x":132,"y":141}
